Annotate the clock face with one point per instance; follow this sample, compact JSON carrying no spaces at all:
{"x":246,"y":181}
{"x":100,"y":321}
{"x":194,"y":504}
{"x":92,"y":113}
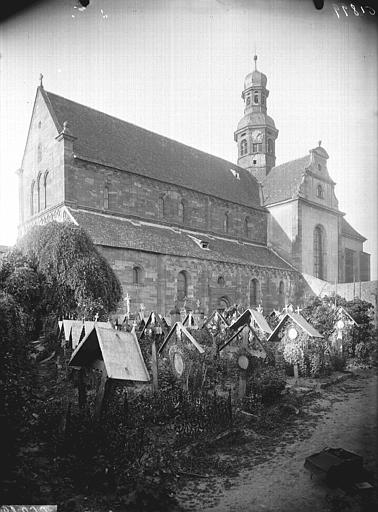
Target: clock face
{"x":257,"y":136}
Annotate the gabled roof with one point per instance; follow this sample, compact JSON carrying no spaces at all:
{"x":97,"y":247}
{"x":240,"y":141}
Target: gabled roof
{"x":77,"y":332}
{"x":300,"y":321}
{"x":155,"y":318}
{"x":283,"y":181}
{"x":110,"y":141}
{"x":249,"y":316}
{"x":120,"y":232}
{"x":119,"y":350}
{"x":66,"y":327}
{"x":348,"y":230}
{"x":239,"y":331}
{"x":89,"y":324}
{"x":189,"y":321}
{"x":214,"y":316}
{"x":183,"y":330}
{"x":343,"y":312}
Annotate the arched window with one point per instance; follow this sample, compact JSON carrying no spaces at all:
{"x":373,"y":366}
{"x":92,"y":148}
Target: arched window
{"x":255,"y":97}
{"x":181,"y":210}
{"x":32,"y":193}
{"x":243,"y":147}
{"x":106,"y":197}
{"x":253,"y":292}
{"x":320,"y":192}
{"x":46,"y":186}
{"x":137,"y":275}
{"x":246,"y":228}
{"x":39,"y":193}
{"x":319,"y":252}
{"x":39,"y":152}
{"x":223,"y":303}
{"x":248,"y":100}
{"x":221,"y":281}
{"x":270,"y":146}
{"x":182,"y":285}
{"x":226,"y":222}
{"x":262,"y":99}
{"x":319,"y":167}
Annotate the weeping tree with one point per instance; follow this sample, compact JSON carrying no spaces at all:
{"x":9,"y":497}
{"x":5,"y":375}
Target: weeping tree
{"x":78,"y":280}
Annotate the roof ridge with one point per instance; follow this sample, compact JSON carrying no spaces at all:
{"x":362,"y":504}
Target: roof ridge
{"x":290,"y":162}
{"x":151,"y":132}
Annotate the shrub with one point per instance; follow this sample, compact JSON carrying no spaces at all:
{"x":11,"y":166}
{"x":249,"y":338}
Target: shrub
{"x":268,"y":383}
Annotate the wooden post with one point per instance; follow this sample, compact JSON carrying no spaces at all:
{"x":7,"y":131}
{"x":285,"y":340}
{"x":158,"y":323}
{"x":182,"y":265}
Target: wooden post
{"x":82,"y":389}
{"x":296,"y":372}
{"x":100,"y":394}
{"x":242,"y":383}
{"x":154,"y":363}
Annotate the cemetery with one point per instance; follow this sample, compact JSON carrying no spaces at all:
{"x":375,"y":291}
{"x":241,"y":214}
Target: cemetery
{"x":124,"y":408}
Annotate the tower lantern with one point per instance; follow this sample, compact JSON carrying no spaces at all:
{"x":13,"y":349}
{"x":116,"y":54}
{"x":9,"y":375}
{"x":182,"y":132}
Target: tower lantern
{"x":256,"y":132}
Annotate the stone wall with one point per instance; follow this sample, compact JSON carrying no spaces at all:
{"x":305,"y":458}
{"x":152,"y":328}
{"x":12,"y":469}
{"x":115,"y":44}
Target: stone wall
{"x":134,"y":195}
{"x":158,"y":287}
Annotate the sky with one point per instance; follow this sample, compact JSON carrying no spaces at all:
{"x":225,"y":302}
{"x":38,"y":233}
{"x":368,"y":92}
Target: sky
{"x":177,"y":67}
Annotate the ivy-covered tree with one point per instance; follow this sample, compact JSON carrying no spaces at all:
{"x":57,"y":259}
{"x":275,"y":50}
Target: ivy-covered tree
{"x":78,"y":279}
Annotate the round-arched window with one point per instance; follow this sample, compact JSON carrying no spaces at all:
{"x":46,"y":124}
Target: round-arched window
{"x":137,"y":275}
{"x":221,"y":281}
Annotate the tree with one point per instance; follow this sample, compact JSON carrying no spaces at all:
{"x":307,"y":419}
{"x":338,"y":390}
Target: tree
{"x":78,"y":279}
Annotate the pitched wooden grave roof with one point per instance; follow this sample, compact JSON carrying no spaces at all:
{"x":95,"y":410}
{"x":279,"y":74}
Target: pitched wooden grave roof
{"x":119,"y":350}
{"x":300,"y":321}
{"x":184,"y":331}
{"x":249,"y":316}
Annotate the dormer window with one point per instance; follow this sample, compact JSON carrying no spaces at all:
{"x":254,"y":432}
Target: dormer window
{"x":320,"y":192}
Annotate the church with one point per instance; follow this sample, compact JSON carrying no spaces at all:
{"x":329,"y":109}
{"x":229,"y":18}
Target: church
{"x":180,"y":226}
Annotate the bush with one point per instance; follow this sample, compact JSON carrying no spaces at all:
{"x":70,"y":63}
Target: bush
{"x":268,"y":383}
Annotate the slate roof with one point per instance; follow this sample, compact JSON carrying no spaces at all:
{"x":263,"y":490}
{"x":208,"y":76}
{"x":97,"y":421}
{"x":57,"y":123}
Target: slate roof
{"x":300,"y":321}
{"x":125,"y":146}
{"x":118,"y":232}
{"x":284,"y":180}
{"x":346,"y":229}
{"x":119,"y":350}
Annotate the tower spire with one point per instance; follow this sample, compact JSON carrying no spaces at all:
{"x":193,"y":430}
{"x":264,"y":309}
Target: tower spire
{"x":255,"y":59}
{"x":41,"y":80}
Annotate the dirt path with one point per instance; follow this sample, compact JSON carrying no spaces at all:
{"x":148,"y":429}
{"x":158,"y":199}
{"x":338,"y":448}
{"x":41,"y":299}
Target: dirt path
{"x":346,"y":416}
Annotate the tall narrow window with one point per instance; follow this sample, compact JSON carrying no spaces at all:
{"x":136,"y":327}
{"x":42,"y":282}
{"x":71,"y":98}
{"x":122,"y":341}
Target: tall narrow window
{"x":182,"y":285}
{"x":32,"y":193}
{"x":253,"y":292}
{"x":106,"y":197}
{"x":46,"y":186}
{"x":281,"y":294}
{"x":270,"y":146}
{"x":255,"y":98}
{"x":181,"y":210}
{"x":39,"y":193}
{"x":137,"y":275}
{"x":226,"y":222}
{"x":246,"y":228}
{"x":243,"y":147}
{"x":320,"y":192}
{"x":319,"y":252}
{"x":39,"y":152}
{"x":248,"y":100}
{"x":221,"y":281}
{"x":256,"y":148}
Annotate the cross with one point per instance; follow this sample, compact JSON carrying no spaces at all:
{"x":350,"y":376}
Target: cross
{"x":286,"y":308}
{"x":298,"y":310}
{"x":260,"y":309}
{"x":198,"y":303}
{"x":40,"y":80}
{"x":185,"y":301}
{"x":255,"y":59}
{"x":96,"y":317}
{"x":127,"y":300}
{"x":153,"y":318}
{"x":142,"y":308}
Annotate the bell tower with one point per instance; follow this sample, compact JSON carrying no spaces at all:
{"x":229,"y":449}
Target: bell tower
{"x":256,"y":133}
